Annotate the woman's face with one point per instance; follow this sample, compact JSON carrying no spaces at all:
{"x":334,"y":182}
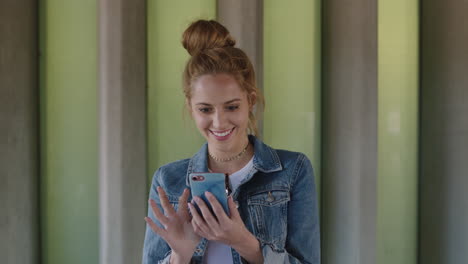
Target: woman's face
{"x":220,"y":109}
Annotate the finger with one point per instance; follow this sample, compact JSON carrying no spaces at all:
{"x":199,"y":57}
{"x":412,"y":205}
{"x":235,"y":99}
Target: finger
{"x":195,"y":215}
{"x":155,"y":227}
{"x":158,"y":214}
{"x":199,"y":231}
{"x":183,"y":209}
{"x":209,"y":218}
{"x":217,"y":208}
{"x":197,"y":218}
{"x":166,"y":205}
{"x":233,"y":212}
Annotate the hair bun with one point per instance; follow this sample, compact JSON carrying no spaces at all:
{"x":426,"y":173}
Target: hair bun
{"x":206,"y":34}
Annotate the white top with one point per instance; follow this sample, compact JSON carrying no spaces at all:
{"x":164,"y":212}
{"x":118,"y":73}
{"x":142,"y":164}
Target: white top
{"x":217,"y":252}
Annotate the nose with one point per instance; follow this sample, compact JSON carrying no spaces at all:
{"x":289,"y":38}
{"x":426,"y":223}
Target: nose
{"x":219,"y":120}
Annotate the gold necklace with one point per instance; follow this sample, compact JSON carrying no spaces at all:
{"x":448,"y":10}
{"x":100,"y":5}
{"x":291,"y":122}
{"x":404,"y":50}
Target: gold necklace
{"x":230,"y":158}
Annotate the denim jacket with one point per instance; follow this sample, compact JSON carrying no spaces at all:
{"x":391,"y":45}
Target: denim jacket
{"x":277,"y":202}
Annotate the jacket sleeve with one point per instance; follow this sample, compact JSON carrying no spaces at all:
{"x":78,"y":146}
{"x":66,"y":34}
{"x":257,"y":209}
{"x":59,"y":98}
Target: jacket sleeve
{"x":303,"y":238}
{"x":155,"y":249}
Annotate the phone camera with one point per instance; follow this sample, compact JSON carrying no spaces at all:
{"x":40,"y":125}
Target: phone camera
{"x":198,"y":178}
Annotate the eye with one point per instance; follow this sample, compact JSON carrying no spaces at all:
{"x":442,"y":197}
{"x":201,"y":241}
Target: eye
{"x":205,"y":109}
{"x":232,"y":107}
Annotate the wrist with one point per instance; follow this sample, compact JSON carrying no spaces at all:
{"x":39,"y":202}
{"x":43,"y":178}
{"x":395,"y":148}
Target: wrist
{"x":182,"y":254}
{"x":250,"y":249}
{"x":177,"y":258}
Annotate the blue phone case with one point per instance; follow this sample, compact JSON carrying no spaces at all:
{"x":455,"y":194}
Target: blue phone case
{"x":213,"y":183}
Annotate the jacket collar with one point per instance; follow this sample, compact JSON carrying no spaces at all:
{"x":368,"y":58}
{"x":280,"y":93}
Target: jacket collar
{"x":265,"y":159}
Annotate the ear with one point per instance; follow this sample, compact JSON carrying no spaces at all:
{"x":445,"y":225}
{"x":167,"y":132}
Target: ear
{"x":252,"y":98}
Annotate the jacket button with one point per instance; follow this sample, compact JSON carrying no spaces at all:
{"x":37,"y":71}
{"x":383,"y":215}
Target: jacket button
{"x":270,"y":197}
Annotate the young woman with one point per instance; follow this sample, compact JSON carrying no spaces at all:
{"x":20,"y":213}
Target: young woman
{"x":273,"y":206}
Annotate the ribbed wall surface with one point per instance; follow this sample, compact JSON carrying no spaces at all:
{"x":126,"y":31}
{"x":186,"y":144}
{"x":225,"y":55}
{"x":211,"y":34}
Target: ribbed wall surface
{"x":398,"y":76}
{"x":291,"y":59}
{"x":122,"y":130}
{"x":19,"y":133}
{"x":350,"y":137}
{"x":68,"y":106}
{"x":374,"y":92}
{"x":443,"y":229}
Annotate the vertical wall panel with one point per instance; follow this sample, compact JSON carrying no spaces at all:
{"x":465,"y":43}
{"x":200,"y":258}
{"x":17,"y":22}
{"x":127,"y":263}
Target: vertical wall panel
{"x":122,"y":130}
{"x":292,"y":77}
{"x":349,"y":132}
{"x":170,"y":136}
{"x":19,"y":133}
{"x":69,"y":202}
{"x":444,"y":133}
{"x":397,"y":136}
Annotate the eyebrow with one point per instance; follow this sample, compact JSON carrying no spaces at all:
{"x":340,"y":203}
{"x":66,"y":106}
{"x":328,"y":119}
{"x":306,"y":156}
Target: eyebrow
{"x":228,"y":102}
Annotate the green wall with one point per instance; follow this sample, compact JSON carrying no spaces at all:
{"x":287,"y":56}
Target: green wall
{"x":292,"y":69}
{"x":171,"y":132}
{"x":292,"y":77}
{"x":397,"y":132}
{"x":68,"y":132}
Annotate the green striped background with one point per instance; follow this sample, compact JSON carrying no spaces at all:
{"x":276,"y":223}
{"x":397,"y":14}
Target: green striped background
{"x":292,"y":70}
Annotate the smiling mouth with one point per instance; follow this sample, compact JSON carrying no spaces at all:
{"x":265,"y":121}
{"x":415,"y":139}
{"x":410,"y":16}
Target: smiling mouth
{"x":223,"y":133}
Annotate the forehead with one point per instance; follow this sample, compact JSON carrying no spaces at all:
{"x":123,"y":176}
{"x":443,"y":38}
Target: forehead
{"x":217,"y":88}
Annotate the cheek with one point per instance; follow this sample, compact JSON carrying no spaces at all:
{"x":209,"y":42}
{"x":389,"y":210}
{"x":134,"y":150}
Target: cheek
{"x":242,"y":119}
{"x":201,"y":121}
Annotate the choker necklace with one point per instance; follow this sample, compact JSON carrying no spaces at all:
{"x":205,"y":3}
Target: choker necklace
{"x":230,"y":158}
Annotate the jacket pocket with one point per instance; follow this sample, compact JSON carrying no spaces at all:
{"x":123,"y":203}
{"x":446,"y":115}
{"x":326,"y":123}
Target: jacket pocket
{"x":268,"y":210}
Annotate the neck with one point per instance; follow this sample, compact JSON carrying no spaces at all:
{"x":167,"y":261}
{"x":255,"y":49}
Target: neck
{"x":232,"y":165}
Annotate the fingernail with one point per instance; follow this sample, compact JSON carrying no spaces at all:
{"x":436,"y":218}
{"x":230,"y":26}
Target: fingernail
{"x":208,"y":194}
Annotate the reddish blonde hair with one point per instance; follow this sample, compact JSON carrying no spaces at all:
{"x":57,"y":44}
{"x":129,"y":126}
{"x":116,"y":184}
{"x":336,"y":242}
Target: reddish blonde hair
{"x":212,"y":52}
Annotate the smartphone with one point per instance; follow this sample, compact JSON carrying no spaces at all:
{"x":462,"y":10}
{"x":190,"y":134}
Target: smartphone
{"x":215,"y":183}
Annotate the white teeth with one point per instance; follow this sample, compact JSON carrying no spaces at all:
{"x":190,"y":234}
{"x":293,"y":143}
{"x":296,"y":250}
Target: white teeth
{"x":222,"y":134}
